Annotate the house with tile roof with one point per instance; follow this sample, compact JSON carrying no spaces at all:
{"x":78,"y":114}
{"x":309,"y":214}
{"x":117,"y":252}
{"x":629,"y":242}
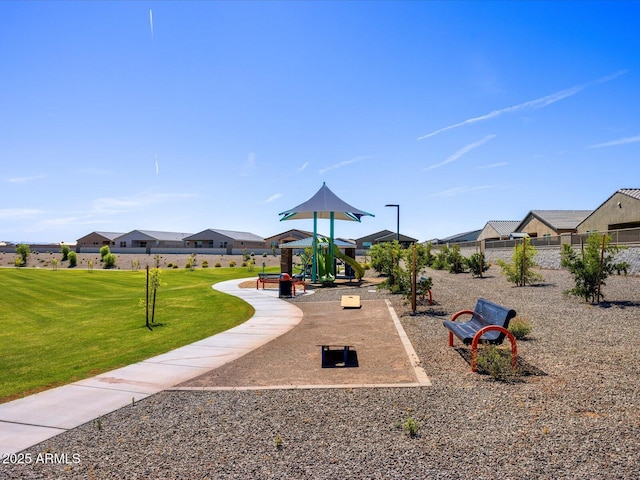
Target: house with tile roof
{"x":498,"y":229}
{"x":620,"y":211}
{"x":551,"y":223}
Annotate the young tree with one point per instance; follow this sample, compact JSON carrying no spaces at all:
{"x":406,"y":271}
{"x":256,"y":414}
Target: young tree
{"x":64,"y":250}
{"x":520,"y":270}
{"x":477,"y":264}
{"x":104,"y":251}
{"x":23,"y":251}
{"x":73,"y":259}
{"x":109,"y":260}
{"x":591,"y":267}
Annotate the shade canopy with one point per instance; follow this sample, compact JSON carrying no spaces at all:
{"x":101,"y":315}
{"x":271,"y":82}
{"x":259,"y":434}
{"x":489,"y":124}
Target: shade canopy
{"x":323,"y":204}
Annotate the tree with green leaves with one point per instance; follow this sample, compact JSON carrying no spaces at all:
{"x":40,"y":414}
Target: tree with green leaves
{"x":64,"y":250}
{"x":520,"y":270}
{"x":104,"y":251}
{"x":73,"y":259}
{"x":23,"y":251}
{"x":591,"y":266}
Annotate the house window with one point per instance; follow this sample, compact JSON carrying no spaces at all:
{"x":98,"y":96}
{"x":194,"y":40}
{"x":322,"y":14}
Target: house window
{"x":223,"y":244}
{"x":123,"y":244}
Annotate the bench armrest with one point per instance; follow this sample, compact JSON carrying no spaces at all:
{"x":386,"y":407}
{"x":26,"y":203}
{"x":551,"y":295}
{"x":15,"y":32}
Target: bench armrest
{"x":461,"y":312}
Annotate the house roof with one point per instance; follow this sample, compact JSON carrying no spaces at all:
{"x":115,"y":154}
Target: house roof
{"x":557,"y":219}
{"x":235,"y":235}
{"x":504,"y":227}
{"x":632,"y":192}
{"x":389,"y":237}
{"x":471,"y":236}
{"x":109,"y":235}
{"x":286,"y":232}
{"x":374,"y":236}
{"x":165,"y":236}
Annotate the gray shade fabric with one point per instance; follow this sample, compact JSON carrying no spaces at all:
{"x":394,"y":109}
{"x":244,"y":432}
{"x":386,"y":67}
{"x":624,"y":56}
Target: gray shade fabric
{"x":323,"y":203}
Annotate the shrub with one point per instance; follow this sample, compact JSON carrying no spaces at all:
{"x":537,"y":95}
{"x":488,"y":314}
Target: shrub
{"x":73,"y":259}
{"x":104,"y":251}
{"x":64,"y":250}
{"x":591,"y":267}
{"x":264,"y":254}
{"x":232,"y":263}
{"x":170,"y":265}
{"x":191,"y":262}
{"x":243,"y":264}
{"x":497,"y":363}
{"x":477,"y":264}
{"x":23,"y":251}
{"x":109,"y":260}
{"x":520,"y":270}
{"x":411,"y":426}
{"x":205,"y":264}
{"x":520,"y":327}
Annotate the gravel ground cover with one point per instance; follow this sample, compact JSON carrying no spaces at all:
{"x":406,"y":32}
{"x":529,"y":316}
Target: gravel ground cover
{"x":579,"y":420}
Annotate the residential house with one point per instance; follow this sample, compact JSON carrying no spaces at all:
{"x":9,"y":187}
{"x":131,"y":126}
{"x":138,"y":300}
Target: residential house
{"x":227,"y":239}
{"x":149,"y":239}
{"x":286,"y":237}
{"x":620,"y":211}
{"x":551,"y":223}
{"x":498,"y":230}
{"x":383,"y":236}
{"x":463,"y":237}
{"x":97,"y":240}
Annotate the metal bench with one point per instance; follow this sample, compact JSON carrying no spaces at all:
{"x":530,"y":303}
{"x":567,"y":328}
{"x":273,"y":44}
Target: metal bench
{"x":488,"y":324}
{"x":274,"y":278}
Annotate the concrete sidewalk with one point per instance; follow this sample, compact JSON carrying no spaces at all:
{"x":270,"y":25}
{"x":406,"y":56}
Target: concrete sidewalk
{"x":31,"y":420}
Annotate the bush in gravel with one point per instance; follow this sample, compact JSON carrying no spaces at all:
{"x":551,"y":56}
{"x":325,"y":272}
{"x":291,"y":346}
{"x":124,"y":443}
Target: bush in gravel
{"x":23,"y":251}
{"x":217,"y":265}
{"x":73,"y":259}
{"x":477,"y":264}
{"x":104,"y":251}
{"x":520,"y":270}
{"x":520,"y":327}
{"x":591,"y":267}
{"x":497,"y":363}
{"x":232,"y":263}
{"x":411,"y":426}
{"x":109,"y":260}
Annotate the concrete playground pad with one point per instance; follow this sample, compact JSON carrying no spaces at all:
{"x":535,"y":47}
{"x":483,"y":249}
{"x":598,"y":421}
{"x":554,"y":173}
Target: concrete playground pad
{"x":380,"y":353}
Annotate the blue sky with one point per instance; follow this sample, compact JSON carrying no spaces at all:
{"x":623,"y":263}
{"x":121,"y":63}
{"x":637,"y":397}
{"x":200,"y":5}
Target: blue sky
{"x":184,"y":116}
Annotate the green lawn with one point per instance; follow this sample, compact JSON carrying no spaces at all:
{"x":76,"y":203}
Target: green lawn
{"x":61,"y":326}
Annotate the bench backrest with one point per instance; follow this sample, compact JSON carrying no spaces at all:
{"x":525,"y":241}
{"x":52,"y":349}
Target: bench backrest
{"x":489,"y":313}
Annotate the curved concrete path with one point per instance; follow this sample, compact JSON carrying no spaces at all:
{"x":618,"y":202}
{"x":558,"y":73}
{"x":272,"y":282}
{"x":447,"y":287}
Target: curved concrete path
{"x":28,"y":421}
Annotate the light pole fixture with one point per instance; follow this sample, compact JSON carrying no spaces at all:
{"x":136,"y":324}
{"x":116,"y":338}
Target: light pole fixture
{"x":398,"y":222}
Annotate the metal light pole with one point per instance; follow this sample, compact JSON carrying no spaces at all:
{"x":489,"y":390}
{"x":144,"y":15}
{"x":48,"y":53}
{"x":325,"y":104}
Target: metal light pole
{"x":398,"y":223}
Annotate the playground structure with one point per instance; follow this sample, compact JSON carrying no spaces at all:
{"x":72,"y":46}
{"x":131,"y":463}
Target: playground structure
{"x":325,"y":205}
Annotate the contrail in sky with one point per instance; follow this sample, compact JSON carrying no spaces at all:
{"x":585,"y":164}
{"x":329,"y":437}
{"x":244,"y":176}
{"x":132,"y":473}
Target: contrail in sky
{"x":343,"y":164}
{"x":151,"y":21}
{"x":462,"y":151}
{"x":622,"y":141}
{"x":532,"y":104}
{"x":157,"y":168}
